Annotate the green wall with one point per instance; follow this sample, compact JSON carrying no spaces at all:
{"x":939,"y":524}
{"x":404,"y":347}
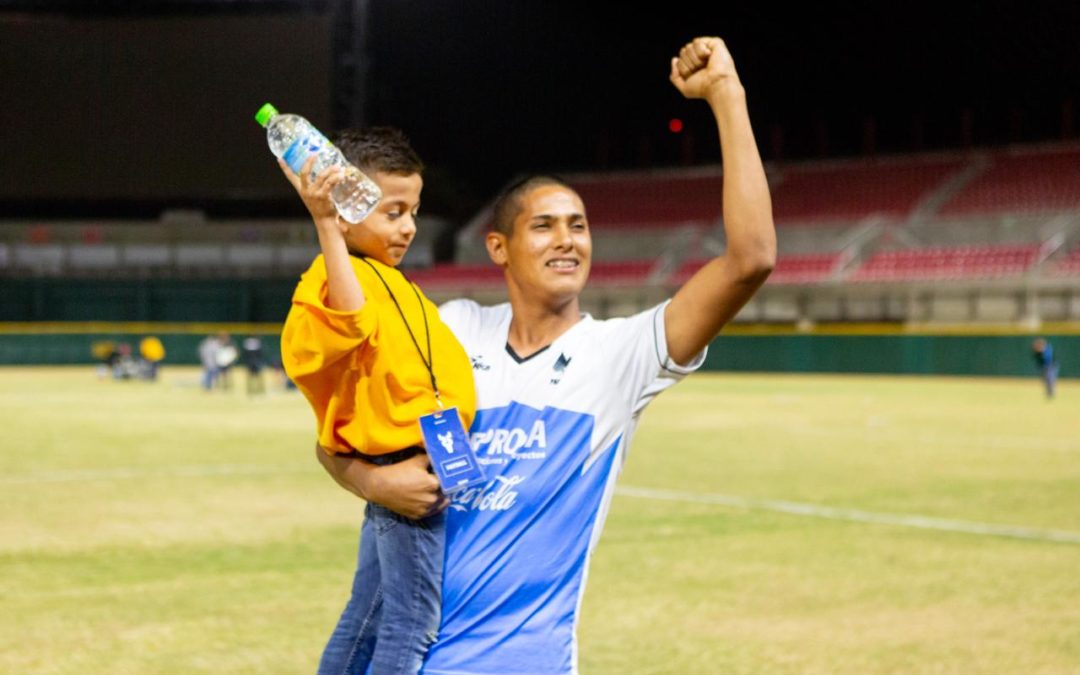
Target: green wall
{"x":235,"y":300}
{"x":1007,"y":355}
{"x":173,"y":310}
{"x":74,"y":349}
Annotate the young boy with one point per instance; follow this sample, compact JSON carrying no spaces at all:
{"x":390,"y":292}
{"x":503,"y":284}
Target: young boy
{"x":368,"y":350}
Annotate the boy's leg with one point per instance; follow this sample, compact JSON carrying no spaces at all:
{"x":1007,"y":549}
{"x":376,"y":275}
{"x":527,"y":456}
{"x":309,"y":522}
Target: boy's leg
{"x":352,"y":643}
{"x":411,"y":561}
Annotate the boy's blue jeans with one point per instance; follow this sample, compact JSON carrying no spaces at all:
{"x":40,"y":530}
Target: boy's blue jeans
{"x":392,"y":617}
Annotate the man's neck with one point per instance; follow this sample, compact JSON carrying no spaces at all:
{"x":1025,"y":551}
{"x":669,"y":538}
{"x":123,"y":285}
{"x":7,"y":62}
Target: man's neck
{"x":535,"y":326}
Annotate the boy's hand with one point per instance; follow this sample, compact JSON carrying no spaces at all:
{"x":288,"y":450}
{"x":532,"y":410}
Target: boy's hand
{"x":316,"y":194}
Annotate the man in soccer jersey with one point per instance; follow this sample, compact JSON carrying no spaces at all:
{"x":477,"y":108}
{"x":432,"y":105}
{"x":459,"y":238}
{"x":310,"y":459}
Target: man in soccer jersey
{"x":559,"y":396}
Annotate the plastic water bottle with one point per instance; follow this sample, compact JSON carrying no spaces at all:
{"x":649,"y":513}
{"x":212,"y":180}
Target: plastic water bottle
{"x":294,"y":139}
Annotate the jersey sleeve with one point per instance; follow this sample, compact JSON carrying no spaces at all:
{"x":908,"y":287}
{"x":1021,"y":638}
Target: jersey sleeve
{"x":315,"y":336}
{"x":641,"y":360}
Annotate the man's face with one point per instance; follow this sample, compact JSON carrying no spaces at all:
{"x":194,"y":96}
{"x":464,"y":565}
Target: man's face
{"x":387,"y":232}
{"x":549,"y":254}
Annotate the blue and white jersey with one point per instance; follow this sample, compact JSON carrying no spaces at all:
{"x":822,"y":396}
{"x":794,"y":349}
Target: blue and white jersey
{"x":551,"y":432}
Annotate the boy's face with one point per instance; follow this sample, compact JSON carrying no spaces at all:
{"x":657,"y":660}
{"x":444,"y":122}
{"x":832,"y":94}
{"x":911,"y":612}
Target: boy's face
{"x":386,"y":234}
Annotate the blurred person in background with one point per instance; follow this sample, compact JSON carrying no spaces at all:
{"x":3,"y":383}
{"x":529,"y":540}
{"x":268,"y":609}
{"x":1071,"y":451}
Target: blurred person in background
{"x":105,"y":352}
{"x":124,"y":366}
{"x":251,"y":355}
{"x":1046,"y":360}
{"x":153,"y":353}
{"x":226,"y":357}
{"x":208,"y":357}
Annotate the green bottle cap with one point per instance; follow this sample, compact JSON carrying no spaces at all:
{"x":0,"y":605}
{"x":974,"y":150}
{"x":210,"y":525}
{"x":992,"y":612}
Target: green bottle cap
{"x":265,"y":113}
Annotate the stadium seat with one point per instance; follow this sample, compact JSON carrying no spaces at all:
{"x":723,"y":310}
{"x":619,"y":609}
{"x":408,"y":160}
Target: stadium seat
{"x":945,"y":263}
{"x":93,"y":258}
{"x":205,"y":257}
{"x":810,"y":194}
{"x":1020,"y":181}
{"x":789,"y":269}
{"x":145,"y":256}
{"x":40,"y":258}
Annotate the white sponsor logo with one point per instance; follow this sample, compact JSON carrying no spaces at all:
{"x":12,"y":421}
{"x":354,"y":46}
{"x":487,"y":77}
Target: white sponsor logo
{"x":498,"y":495}
{"x":511,"y":441}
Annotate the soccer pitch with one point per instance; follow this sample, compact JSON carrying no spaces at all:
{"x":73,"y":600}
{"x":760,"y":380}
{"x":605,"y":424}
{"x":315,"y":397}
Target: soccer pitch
{"x":764,"y":524}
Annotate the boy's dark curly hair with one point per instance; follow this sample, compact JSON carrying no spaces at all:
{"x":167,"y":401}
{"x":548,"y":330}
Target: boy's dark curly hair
{"x":376,"y":149}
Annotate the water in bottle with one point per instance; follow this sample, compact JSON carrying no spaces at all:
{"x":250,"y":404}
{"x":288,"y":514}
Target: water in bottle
{"x":294,"y":139}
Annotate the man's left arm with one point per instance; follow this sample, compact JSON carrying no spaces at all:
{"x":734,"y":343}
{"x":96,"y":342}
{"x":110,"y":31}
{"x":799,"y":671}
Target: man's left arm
{"x":704,"y":69}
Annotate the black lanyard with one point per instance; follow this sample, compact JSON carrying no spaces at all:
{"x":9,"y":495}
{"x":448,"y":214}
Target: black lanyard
{"x":429,"y":362}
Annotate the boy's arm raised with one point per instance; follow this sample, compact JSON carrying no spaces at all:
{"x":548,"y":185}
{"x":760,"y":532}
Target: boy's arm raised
{"x":343,"y":292}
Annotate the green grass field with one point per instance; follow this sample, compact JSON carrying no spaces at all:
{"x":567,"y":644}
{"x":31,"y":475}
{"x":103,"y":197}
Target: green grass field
{"x":157,"y":529}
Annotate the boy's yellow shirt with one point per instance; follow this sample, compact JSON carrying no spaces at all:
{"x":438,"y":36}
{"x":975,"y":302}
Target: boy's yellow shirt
{"x":361,"y":371}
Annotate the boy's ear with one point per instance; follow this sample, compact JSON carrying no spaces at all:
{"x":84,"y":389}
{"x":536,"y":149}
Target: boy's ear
{"x":496,"y":247}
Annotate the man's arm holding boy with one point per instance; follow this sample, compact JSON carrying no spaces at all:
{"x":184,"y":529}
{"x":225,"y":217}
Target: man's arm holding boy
{"x":407,"y":488}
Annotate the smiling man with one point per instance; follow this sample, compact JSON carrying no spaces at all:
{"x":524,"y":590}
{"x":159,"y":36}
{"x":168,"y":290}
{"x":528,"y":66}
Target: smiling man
{"x":559,"y":395}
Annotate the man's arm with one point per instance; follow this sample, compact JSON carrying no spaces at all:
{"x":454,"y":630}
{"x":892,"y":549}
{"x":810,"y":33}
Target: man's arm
{"x":406,"y":488}
{"x":705,"y":69}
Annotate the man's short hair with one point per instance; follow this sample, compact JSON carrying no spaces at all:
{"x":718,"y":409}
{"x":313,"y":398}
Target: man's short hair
{"x":508,"y":205}
{"x":376,"y":149}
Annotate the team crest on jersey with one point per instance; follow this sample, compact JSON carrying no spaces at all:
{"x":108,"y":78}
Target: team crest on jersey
{"x":478,"y":363}
{"x":560,"y":367}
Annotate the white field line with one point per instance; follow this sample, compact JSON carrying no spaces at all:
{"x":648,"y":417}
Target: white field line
{"x":777,"y":506}
{"x":854,"y":515}
{"x":129,"y":473}
{"x":998,"y":441}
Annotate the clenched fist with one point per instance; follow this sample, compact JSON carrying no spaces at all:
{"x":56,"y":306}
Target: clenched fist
{"x":704,"y":67}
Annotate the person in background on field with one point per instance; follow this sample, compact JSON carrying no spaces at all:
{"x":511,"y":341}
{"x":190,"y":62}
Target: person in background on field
{"x":208,"y":357}
{"x":1045,"y":359}
{"x":252,"y":357}
{"x":153,"y":353}
{"x":227,"y":356}
{"x":106,"y":353}
{"x":124,"y":366}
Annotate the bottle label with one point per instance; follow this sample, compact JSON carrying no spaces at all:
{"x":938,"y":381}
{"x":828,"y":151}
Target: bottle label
{"x":302,"y":148}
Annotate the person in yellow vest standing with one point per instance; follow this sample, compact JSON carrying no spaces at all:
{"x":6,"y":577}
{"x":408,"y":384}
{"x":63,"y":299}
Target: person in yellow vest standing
{"x":375,"y":361}
{"x":153,"y":353}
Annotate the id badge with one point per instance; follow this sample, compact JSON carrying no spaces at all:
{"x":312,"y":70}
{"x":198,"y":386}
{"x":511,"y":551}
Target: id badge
{"x":450,"y":452}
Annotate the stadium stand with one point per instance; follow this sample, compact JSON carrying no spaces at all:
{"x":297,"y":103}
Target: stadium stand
{"x":451,"y":277}
{"x":790,"y":269}
{"x":960,"y":262}
{"x":638,"y":201}
{"x":1022,"y":181}
{"x":1069,"y":265}
{"x":627,"y":273}
{"x":857,"y":239}
{"x":852,"y":191}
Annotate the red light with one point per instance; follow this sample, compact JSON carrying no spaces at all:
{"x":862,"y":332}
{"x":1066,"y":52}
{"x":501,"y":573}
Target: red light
{"x":675,"y":125}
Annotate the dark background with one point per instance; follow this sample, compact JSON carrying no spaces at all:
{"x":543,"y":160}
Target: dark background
{"x":121,"y":109}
